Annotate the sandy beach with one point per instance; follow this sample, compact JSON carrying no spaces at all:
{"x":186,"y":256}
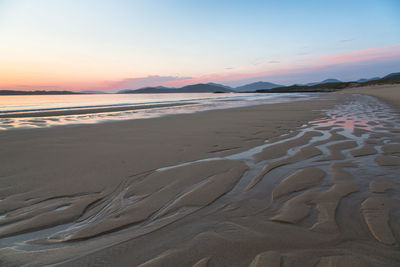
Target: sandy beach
{"x":306,"y":183}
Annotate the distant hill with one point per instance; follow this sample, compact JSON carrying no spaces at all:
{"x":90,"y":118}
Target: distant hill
{"x":257,"y":86}
{"x":200,"y":88}
{"x":12,"y":92}
{"x":195,"y":88}
{"x":325,"y":86}
{"x":392,"y":76}
{"x":367,"y":80}
{"x":92,"y":92}
{"x":324,"y":81}
{"x":317,"y":88}
{"x":144,"y":90}
{"x":220,"y":85}
{"x":388,"y":79}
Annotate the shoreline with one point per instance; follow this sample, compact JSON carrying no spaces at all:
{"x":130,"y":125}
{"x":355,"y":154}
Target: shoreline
{"x":59,"y":117}
{"x":387,"y":93}
{"x":152,"y":175}
{"x":89,"y":110}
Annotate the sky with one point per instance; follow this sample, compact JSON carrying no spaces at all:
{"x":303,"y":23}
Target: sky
{"x":120,"y":44}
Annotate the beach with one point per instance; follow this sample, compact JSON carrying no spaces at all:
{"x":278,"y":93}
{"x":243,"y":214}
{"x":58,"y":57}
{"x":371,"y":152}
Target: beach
{"x":307,"y":183}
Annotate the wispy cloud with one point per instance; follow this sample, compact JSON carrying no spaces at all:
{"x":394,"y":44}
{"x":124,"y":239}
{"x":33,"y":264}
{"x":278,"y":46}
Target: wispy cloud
{"x":258,"y":61}
{"x":346,"y":40}
{"x":369,"y":54}
{"x":303,"y":53}
{"x":345,"y":61}
{"x":280,"y":69}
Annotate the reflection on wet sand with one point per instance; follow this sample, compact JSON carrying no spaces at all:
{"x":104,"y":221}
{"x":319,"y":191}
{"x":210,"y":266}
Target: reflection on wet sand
{"x":90,"y":115}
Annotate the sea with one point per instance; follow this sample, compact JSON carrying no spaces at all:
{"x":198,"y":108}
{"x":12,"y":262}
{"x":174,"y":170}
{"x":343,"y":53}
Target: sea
{"x":41,"y":111}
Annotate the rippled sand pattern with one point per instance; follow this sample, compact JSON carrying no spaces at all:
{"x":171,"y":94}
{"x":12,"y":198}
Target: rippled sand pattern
{"x":325,"y":195}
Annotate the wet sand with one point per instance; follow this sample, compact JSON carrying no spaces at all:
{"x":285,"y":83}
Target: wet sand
{"x":388,"y":93}
{"x":310,"y":183}
{"x":62,"y":112}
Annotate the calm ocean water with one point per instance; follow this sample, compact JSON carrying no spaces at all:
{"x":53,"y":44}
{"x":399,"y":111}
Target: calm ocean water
{"x":51,"y":102}
{"x":33,"y":111}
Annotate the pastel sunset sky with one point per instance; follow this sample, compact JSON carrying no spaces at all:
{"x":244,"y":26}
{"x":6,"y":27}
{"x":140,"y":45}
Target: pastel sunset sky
{"x":119,"y":44}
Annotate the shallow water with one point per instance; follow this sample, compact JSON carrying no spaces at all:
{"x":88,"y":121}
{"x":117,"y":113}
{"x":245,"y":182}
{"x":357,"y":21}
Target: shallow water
{"x":139,"y":106}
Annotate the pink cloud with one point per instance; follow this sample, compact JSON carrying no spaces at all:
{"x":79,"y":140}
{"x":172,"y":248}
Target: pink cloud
{"x":288,"y":67}
{"x":371,"y":55}
{"x":380,"y":53}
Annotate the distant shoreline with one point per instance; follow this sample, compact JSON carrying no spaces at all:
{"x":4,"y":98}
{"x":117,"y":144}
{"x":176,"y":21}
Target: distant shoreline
{"x":330,"y":85}
{"x":12,"y":92}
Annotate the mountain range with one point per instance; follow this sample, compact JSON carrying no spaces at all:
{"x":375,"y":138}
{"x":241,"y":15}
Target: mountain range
{"x":265,"y":87}
{"x":195,"y":88}
{"x":256,"y":86}
{"x":215,"y":87}
{"x":92,"y":92}
{"x":324,"y":81}
{"x":367,"y":80}
{"x":392,"y":76}
{"x":203,"y":88}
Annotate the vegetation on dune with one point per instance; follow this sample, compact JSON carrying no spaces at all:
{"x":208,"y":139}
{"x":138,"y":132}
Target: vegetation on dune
{"x":388,"y":79}
{"x":326,"y":87}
